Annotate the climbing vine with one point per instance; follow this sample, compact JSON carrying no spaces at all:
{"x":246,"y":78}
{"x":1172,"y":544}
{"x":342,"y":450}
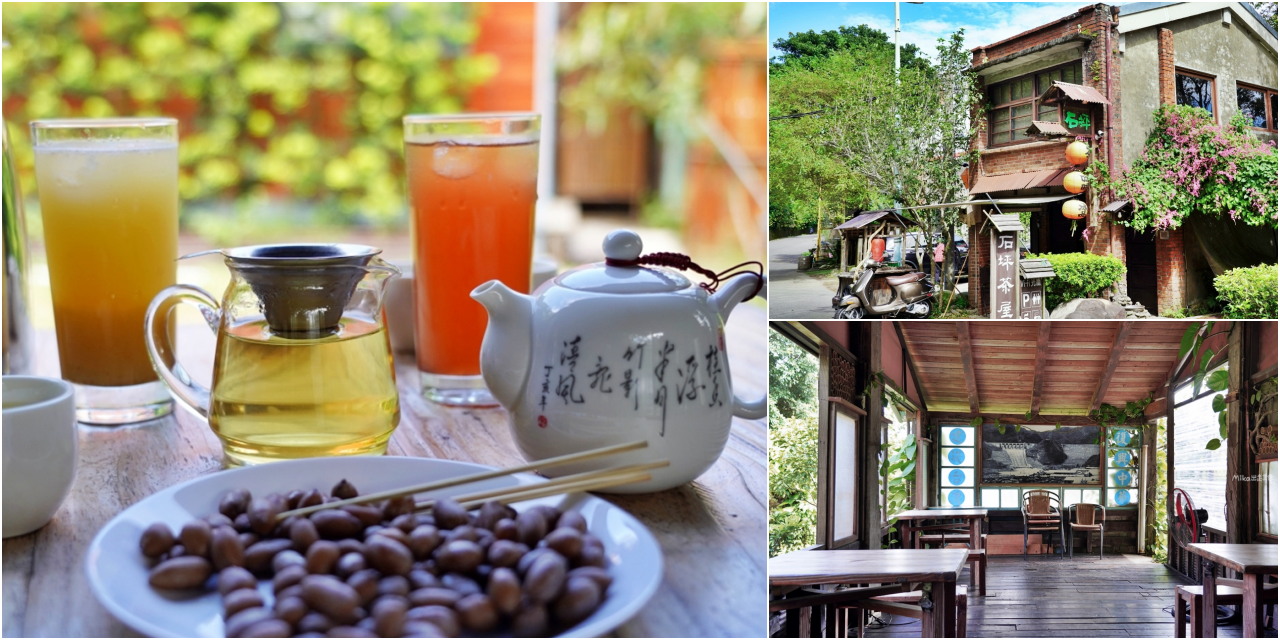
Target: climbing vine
{"x":1193,"y":165}
{"x":1194,"y":338}
{"x":1108,"y":415}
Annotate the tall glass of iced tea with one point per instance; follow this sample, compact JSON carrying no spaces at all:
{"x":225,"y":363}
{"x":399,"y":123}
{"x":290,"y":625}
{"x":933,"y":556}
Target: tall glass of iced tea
{"x":109,"y":200}
{"x":472,"y":182}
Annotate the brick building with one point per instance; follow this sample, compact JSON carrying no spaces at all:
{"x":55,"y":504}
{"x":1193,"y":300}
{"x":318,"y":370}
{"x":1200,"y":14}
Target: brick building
{"x":1059,"y":76}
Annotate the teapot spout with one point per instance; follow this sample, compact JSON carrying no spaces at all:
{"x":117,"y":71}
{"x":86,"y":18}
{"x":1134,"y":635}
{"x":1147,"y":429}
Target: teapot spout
{"x":505,"y":354}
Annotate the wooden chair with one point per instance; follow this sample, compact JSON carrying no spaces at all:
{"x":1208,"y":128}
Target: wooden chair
{"x":1230,"y":592}
{"x":911,"y":598}
{"x":1086,"y":518}
{"x":1041,"y":511}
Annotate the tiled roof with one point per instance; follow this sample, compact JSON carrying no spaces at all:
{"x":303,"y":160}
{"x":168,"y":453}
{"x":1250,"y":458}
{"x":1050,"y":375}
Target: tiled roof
{"x":1016,"y":181}
{"x":1076,"y":92}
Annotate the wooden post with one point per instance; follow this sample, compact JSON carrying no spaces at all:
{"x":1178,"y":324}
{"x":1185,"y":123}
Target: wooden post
{"x":1237,"y":448}
{"x":1168,"y":438}
{"x":922,"y":470}
{"x":869,"y":474}
{"x":1149,"y":481}
{"x":824,"y":446}
{"x":844,"y":252}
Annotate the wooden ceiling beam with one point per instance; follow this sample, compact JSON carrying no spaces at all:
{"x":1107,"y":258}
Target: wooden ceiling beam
{"x":1117,"y":346}
{"x":911,"y":365}
{"x":966,"y":357}
{"x":1042,"y":357}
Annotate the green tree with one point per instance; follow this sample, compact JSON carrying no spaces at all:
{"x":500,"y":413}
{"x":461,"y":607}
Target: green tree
{"x":803,"y":49}
{"x":1268,"y":12}
{"x":907,"y":137}
{"x":793,"y":446}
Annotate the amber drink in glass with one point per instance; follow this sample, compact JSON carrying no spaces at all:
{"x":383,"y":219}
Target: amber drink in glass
{"x":108,"y":193}
{"x":472,"y":183}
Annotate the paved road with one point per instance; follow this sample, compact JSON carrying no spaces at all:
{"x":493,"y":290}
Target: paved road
{"x":792,"y":294}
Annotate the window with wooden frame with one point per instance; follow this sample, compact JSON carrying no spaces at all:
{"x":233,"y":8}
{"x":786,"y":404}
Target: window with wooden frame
{"x":843,"y":477}
{"x":1257,"y":105}
{"x":1013,"y":104}
{"x":1193,"y":89}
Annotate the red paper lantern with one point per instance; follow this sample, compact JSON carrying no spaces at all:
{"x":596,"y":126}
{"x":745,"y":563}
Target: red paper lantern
{"x":1074,"y":182}
{"x":1074,"y":209}
{"x":877,"y":249}
{"x":1077,"y":152}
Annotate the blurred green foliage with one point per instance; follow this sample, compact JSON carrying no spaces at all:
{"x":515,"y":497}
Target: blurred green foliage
{"x":298,"y":101}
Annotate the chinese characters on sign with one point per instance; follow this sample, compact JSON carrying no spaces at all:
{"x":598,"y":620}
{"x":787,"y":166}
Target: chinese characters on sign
{"x":672,"y":374}
{"x":1004,"y":274}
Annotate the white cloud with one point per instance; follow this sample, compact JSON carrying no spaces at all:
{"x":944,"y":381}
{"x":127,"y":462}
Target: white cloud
{"x":983,"y":23}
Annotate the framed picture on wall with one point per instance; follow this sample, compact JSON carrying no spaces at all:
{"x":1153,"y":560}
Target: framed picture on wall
{"x":1041,"y":455}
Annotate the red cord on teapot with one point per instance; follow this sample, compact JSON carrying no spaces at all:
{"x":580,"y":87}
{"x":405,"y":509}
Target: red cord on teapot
{"x":685,"y":263}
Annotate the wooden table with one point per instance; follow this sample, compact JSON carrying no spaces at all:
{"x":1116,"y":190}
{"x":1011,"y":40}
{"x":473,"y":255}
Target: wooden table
{"x":713,"y":531}
{"x":939,"y":567}
{"x":1252,"y":561}
{"x":972,"y":517}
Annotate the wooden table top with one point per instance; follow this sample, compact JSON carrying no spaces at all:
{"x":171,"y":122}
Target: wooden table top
{"x":1245,"y":558}
{"x":923,"y":514}
{"x":713,"y":531}
{"x":822,"y":566}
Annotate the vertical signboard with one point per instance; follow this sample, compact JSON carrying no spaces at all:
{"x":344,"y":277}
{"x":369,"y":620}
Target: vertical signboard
{"x":1033,"y":299}
{"x":1004,"y":274}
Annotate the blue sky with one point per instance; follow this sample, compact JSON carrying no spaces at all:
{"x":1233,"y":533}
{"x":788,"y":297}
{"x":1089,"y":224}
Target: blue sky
{"x":922,"y":24}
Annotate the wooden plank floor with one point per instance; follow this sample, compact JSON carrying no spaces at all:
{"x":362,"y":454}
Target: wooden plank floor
{"x":1043,"y":597}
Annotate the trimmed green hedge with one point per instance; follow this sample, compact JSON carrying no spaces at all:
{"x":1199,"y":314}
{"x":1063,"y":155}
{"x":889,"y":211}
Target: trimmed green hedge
{"x":1248,"y":292}
{"x":1080,"y":275}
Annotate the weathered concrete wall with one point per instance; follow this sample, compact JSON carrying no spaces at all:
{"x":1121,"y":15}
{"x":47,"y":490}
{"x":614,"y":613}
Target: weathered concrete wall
{"x":1202,"y":44}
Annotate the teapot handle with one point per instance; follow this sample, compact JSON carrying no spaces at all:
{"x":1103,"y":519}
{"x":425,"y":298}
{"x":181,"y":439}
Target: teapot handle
{"x":728,"y":296}
{"x":160,"y":344}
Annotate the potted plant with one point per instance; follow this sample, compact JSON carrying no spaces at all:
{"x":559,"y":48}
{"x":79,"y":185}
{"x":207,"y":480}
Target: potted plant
{"x":806,"y":261}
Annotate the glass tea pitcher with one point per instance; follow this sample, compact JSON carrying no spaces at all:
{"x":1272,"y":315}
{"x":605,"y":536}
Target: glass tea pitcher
{"x":303,"y":365}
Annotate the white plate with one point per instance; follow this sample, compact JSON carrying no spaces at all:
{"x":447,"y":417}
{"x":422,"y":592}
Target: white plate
{"x":118,"y":571}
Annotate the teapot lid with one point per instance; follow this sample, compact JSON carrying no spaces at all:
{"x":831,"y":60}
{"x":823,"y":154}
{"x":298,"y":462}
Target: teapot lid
{"x":620,"y":272}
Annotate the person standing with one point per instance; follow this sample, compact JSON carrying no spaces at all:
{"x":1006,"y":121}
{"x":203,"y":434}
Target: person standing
{"x":939,"y":254}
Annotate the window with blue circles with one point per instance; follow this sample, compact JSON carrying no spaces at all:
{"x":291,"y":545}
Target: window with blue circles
{"x":1124,"y":445}
{"x":957,"y":486}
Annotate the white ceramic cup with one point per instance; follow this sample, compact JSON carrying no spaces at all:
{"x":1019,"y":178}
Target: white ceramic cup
{"x":40,"y":441}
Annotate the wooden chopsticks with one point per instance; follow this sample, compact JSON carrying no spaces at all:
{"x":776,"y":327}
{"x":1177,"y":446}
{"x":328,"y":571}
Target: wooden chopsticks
{"x":587,"y":481}
{"x":581,"y":482}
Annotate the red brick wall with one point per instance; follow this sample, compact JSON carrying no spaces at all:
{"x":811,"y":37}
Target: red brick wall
{"x":1164,"y":44}
{"x":1033,"y":156}
{"x":1171,"y":273}
{"x":1171,"y":262}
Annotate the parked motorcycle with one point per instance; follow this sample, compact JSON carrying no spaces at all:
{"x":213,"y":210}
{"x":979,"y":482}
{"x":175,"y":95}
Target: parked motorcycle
{"x":873,"y":293}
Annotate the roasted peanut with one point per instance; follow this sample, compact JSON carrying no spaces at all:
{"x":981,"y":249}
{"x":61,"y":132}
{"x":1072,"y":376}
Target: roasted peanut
{"x":491,"y":512}
{"x":263,"y":511}
{"x":225,"y":549}
{"x":532,"y":527}
{"x":334,"y":524}
{"x":530,"y":622}
{"x":545,"y":578}
{"x":287,"y":558}
{"x":388,"y":556}
{"x":406,"y":522}
{"x":449,"y":514}
{"x":365,"y":583}
{"x":393,"y":586}
{"x":461,"y":556}
{"x":477,"y":613}
{"x":349,"y":564}
{"x":398,"y":507}
{"x":315,"y":622}
{"x":423,"y":540}
{"x":332,"y":597}
{"x":443,"y":618}
{"x":292,"y":499}
{"x":157,"y":540}
{"x":347,"y":631}
{"x":290,"y":576}
{"x":241,"y":621}
{"x":503,"y":590}
{"x":395,"y":534}
{"x":506,"y":529}
{"x":233,"y":578}
{"x":344,"y":490}
{"x":506,"y":553}
{"x":290,"y":609}
{"x":186,"y":572}
{"x":350,"y":545}
{"x":269,"y":628}
{"x":419,"y":579}
{"x":460,"y":583}
{"x":303,"y":534}
{"x":566,"y":541}
{"x":388,"y":617}
{"x":234,"y":503}
{"x":239,"y":600}
{"x":417,"y":629}
{"x":322,"y":557}
{"x":600,"y":576}
{"x":367,"y":515}
{"x":581,"y":596}
{"x":216,"y":520}
{"x":433,"y":595}
{"x":573,"y":520}
{"x":258,"y":557}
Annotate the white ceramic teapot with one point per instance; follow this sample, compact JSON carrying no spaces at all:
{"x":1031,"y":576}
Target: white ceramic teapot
{"x":606,"y":354}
